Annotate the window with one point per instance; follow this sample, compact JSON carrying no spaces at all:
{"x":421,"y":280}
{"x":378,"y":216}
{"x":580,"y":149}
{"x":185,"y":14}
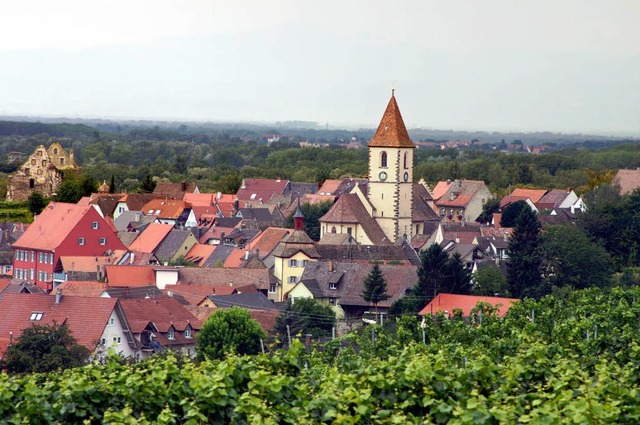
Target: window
{"x":55,"y":151}
{"x":80,"y":241}
{"x":112,"y":321}
{"x":293,"y":263}
{"x":405,"y":160}
{"x":304,"y":263}
{"x":116,"y":340}
{"x":383,"y":160}
{"x":61,"y":161}
{"x":45,"y":276}
{"x":333,"y":229}
{"x":272,"y":288}
{"x":293,"y":279}
{"x":171,"y":334}
{"x":50,"y":258}
{"x":103,"y":241}
{"x":33,"y":256}
{"x":333,"y":285}
{"x":103,"y":341}
{"x":95,"y":225}
{"x":349,"y":230}
{"x":36,"y":315}
{"x":332,"y":301}
{"x":187,"y":333}
{"x":32,"y":274}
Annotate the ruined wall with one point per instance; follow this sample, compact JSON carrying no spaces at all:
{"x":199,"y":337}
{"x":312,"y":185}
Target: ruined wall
{"x":41,"y":172}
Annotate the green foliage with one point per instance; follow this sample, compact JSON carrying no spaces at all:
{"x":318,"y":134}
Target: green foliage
{"x":490,"y":207}
{"x":375,"y":287}
{"x":525,"y":260}
{"x":36,"y":203}
{"x":112,"y":184}
{"x":305,"y":316}
{"x":489,"y":281}
{"x":228,"y":331}
{"x":45,"y":348}
{"x":74,"y":186}
{"x":148,"y":184}
{"x":511,"y":213}
{"x":573,"y":260}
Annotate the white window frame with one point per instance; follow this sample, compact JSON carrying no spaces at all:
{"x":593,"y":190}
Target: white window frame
{"x":187,"y":333}
{"x":171,"y":334}
{"x":273,"y":288}
{"x":36,"y":316}
{"x":81,"y":241}
{"x":95,"y":225}
{"x":103,"y":241}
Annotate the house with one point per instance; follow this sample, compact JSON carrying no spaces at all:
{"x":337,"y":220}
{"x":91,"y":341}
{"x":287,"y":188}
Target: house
{"x":262,"y":279}
{"x":133,"y":221}
{"x":460,"y":200}
{"x":264,"y":244}
{"x":469,"y":253}
{"x":149,"y":240}
{"x":197,"y":295}
{"x":105,"y":204}
{"x":132,"y":202}
{"x":136,"y":276}
{"x":42,"y":172}
{"x":168,"y":211}
{"x":84,"y":267}
{"x":560,"y":199}
{"x":627,"y":180}
{"x":199,"y":253}
{"x":175,"y":191}
{"x":340,"y":285}
{"x":446,"y":303}
{"x":61,"y":230}
{"x":175,"y":244}
{"x":161,"y":324}
{"x":96,"y":323}
{"x":261,"y":191}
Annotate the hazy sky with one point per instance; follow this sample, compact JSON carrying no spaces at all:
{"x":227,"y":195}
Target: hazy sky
{"x":531,"y":65}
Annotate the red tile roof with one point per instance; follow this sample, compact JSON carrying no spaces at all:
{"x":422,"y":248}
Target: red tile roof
{"x":163,"y":312}
{"x":195,"y":294}
{"x":392,"y":132}
{"x":266,"y":241}
{"x":130,"y":275}
{"x":348,"y":209}
{"x":86,"y":317}
{"x":448,"y":302}
{"x":151,"y":238}
{"x":163,"y":208}
{"x":255,"y":189}
{"x":199,"y":253}
{"x":81,"y":288}
{"x":53,"y":225}
{"x":533,"y":194}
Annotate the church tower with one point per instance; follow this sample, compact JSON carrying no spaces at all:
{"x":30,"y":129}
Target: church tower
{"x":390,"y":189}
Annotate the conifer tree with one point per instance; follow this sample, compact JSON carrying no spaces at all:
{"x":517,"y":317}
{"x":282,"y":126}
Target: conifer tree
{"x":112,"y":185}
{"x":525,"y":260}
{"x":375,"y":287}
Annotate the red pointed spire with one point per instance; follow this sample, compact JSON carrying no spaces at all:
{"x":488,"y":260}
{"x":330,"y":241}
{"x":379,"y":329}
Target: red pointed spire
{"x":391,"y":132}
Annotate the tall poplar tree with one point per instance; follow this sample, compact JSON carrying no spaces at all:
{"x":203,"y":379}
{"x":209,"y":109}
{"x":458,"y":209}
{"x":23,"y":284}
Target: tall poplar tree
{"x":524,"y":265}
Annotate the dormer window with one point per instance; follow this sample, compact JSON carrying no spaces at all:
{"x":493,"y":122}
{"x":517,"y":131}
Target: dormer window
{"x":36,"y":315}
{"x":187,"y":333}
{"x":333,"y":285}
{"x":171,"y":334}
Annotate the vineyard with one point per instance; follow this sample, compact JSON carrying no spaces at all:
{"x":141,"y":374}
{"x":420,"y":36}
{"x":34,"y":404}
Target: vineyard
{"x":572,"y":358}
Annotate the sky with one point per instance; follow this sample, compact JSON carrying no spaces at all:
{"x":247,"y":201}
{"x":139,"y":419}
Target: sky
{"x":569,"y":66}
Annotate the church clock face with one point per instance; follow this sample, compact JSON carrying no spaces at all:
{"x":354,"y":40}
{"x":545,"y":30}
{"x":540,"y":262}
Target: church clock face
{"x":406,"y":176}
{"x":382,"y":175}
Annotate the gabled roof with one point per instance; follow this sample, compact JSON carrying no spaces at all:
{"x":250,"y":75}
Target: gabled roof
{"x":533,"y":194}
{"x":236,"y":277}
{"x":195,"y":294}
{"x":421,"y":211}
{"x":86,"y":317}
{"x":174,"y":190}
{"x":348,"y":279}
{"x":165,"y":208}
{"x":297,"y":241}
{"x":135,"y":201}
{"x":170,"y":245}
{"x":149,"y":240}
{"x":53,"y":225}
{"x":464,"y":232}
{"x":132,"y":220}
{"x":136,"y":292}
{"x":130,"y":275}
{"x":252,"y":301}
{"x":449,"y":302}
{"x":628,"y":180}
{"x":552,"y":199}
{"x":215,"y":232}
{"x":265,"y":189}
{"x":368,"y":253}
{"x":262,"y":215}
{"x":19,"y":286}
{"x":200,"y":199}
{"x":80,"y":288}
{"x":106,"y":203}
{"x":458,"y":193}
{"x":219,"y":255}
{"x":163,"y":312}
{"x":391,"y":132}
{"x":267,"y":240}
{"x":199,"y":253}
{"x":89,"y":264}
{"x":348,"y":209}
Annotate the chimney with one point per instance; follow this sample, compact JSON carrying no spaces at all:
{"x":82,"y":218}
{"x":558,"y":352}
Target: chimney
{"x":457,"y":240}
{"x":58,"y":296}
{"x":246,"y":254}
{"x":219,"y":195}
{"x":244,"y":184}
{"x":330,"y":265}
{"x":506,"y":235}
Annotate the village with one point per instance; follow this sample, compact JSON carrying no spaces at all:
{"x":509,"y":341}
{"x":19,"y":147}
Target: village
{"x":139,"y":273}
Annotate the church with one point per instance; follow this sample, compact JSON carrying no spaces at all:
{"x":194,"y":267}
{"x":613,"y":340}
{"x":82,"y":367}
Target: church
{"x":389,"y":208}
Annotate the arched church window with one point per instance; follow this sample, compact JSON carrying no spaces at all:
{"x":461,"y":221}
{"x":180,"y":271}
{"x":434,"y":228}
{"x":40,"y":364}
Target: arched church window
{"x":383,"y":159}
{"x":405,"y":160}
{"x":333,"y":229}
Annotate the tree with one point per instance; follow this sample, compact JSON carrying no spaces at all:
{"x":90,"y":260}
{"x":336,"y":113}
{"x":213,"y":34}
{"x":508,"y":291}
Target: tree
{"x":112,"y":184}
{"x":227,"y":331}
{"x":305,"y":316}
{"x":525,"y":261}
{"x":45,"y":348}
{"x":69,"y":191}
{"x":36,"y":203}
{"x":511,"y":212}
{"x":489,"y":281}
{"x":573,"y":260}
{"x":488,"y":209}
{"x":375,"y":287}
{"x":440,"y":273}
{"x":147,"y":185}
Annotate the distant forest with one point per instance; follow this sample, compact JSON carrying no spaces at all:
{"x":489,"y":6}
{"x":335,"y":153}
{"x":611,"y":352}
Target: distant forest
{"x":218,"y":156}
